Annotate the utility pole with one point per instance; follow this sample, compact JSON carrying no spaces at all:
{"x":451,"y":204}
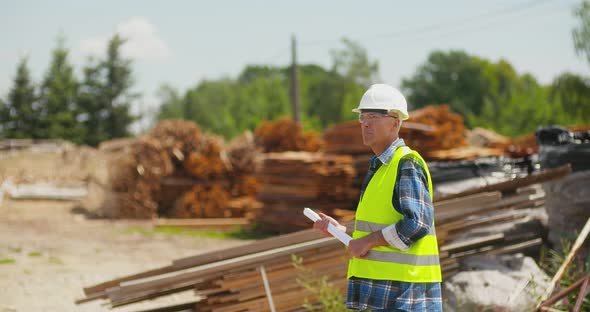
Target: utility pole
{"x":294,"y":82}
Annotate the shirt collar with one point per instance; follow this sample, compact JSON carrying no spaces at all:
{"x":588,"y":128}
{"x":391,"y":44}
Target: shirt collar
{"x":385,"y":158}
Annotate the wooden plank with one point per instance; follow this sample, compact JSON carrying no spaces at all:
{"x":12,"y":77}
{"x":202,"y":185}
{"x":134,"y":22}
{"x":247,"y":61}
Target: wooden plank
{"x":546,"y":175}
{"x":254,"y":247}
{"x":200,"y":223}
{"x":170,"y":282}
{"x":472,"y":243}
{"x":506,"y":202}
{"x":98,"y":289}
{"x":466,"y":202}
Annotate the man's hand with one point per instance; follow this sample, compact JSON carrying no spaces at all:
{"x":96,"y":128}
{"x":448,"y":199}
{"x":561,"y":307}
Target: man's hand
{"x":360,"y":247}
{"x":322,"y":224}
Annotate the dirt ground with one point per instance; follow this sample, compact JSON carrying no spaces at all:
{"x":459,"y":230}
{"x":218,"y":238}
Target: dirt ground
{"x":48,"y":253}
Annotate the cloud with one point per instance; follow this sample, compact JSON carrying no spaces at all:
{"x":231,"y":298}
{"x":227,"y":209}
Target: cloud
{"x":143,"y":42}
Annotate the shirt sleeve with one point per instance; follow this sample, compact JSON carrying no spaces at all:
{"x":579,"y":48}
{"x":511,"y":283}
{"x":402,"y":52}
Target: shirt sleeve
{"x":411,"y":199}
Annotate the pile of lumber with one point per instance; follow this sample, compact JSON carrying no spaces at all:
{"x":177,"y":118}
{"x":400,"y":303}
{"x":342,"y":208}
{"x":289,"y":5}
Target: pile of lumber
{"x":285,"y":134}
{"x":135,"y":179}
{"x":448,"y":129}
{"x":293,"y":180}
{"x":177,"y":171}
{"x":487,"y":138}
{"x":346,"y":139}
{"x":434,"y":131}
{"x":495,"y":219}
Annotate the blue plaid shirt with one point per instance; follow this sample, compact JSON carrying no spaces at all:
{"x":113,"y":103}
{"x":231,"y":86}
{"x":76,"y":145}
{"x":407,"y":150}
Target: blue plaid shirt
{"x":411,"y":199}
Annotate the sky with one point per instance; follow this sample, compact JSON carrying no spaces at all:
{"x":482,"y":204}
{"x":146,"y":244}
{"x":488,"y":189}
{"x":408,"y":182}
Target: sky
{"x":180,"y":43}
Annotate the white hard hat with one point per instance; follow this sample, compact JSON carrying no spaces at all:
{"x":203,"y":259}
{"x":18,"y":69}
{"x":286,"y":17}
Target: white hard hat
{"x":384,"y":97}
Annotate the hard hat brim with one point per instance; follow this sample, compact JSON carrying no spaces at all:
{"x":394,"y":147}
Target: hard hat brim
{"x":402,"y":115}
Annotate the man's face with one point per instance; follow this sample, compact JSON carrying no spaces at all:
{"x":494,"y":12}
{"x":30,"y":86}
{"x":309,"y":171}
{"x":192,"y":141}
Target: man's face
{"x":378,"y":128}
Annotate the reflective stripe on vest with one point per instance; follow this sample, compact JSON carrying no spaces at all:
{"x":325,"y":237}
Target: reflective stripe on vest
{"x":375,"y":211}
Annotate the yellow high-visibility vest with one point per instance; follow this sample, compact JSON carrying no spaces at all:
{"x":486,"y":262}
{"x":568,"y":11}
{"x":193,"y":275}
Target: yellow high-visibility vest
{"x":375,"y":211}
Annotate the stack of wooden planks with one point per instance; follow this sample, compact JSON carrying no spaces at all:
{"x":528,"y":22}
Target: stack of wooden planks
{"x":285,"y":134}
{"x":292,"y":180}
{"x":448,"y":129}
{"x":495,"y":219}
{"x":135,"y":176}
{"x":177,"y":171}
{"x":432,"y":131}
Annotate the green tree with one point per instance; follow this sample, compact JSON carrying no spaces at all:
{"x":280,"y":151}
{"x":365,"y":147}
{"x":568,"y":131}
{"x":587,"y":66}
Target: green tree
{"x":581,"y":33}
{"x":573,"y":92}
{"x":58,"y":99}
{"x":93,"y":112}
{"x":467,"y":83}
{"x":526,"y":108}
{"x":20,"y":113}
{"x":230,"y":106}
{"x":105,"y":96}
{"x":352,"y":62}
{"x":444,"y":79}
{"x":210,"y":105}
{"x":117,"y":85}
{"x":172,"y":104}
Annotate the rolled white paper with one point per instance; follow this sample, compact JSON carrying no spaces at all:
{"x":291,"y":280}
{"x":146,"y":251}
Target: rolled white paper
{"x":336,"y":232}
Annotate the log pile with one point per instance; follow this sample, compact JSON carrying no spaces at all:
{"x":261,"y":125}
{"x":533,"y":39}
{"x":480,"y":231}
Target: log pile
{"x":285,"y":135}
{"x":177,"y":171}
{"x":135,"y":179}
{"x":434,"y":131}
{"x":495,"y":219}
{"x":293,"y":180}
{"x":448,"y":132}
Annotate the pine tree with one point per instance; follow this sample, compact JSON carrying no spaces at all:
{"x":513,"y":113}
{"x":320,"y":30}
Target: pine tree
{"x":20,"y":114}
{"x":105,"y":97}
{"x":117,"y":93}
{"x":58,"y":99}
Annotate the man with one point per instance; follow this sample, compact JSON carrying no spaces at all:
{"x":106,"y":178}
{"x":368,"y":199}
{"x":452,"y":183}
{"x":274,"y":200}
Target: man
{"x":394,"y":264}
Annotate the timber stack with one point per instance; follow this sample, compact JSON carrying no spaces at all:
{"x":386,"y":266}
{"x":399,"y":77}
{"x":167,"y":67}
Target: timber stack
{"x":284,"y":135}
{"x":495,"y":219}
{"x":293,"y":180}
{"x":177,"y":171}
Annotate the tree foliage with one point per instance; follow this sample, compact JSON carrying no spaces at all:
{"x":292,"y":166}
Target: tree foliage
{"x":90,"y":111}
{"x":230,"y":106}
{"x":581,"y":34}
{"x":98,"y":106}
{"x":494,"y":95}
{"x":58,"y":99}
{"x":19,"y":115}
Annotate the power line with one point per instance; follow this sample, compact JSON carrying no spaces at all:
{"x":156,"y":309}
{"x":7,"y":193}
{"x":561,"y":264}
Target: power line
{"x":477,"y":28}
{"x":276,"y":55}
{"x":489,"y":19}
{"x":439,"y":26}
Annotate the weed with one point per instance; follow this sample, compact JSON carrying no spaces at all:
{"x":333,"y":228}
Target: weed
{"x":55,"y":260}
{"x":7,"y":261}
{"x":235,"y":233}
{"x":551,"y":260}
{"x":327,"y":297}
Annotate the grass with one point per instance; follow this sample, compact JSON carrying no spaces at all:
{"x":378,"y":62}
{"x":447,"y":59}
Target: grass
{"x":35,"y":254}
{"x":15,"y":249}
{"x":7,"y":261}
{"x":55,"y":260}
{"x":550,"y":262}
{"x":235,"y":233}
